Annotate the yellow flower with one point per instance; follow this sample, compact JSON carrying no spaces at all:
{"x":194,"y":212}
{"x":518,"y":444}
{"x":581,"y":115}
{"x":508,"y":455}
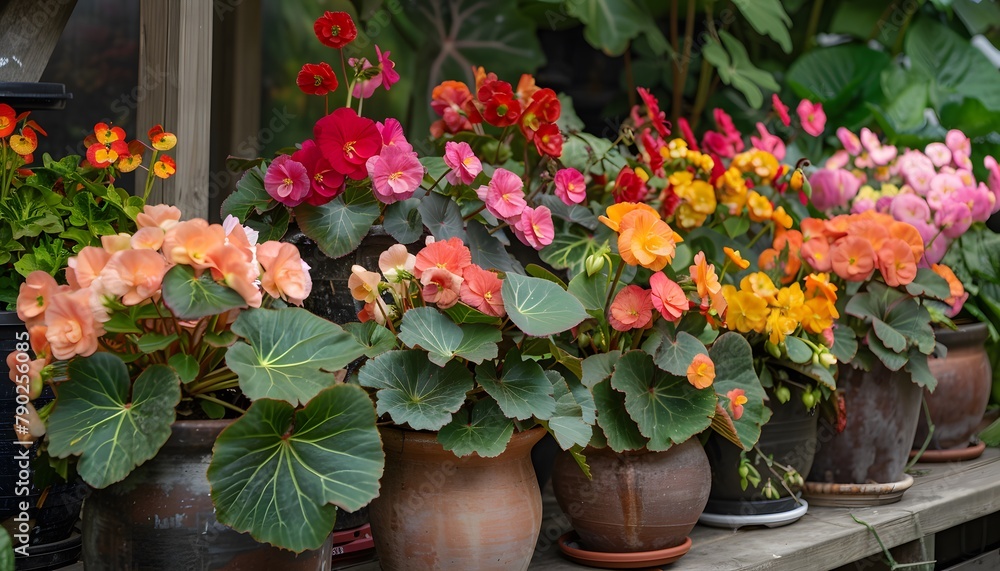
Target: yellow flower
{"x":759,"y":284}
{"x":790,"y":298}
{"x":867,"y":192}
{"x":676,"y":149}
{"x":746,"y":311}
{"x":639,"y":172}
{"x":761,"y":208}
{"x":818,"y":285}
{"x":818,"y":314}
{"x":736,"y":258}
{"x":782,"y":218}
{"x":889,"y":190}
{"x":732,"y":190}
{"x":686,"y":217}
{"x":779,"y":326}
{"x":647,"y":241}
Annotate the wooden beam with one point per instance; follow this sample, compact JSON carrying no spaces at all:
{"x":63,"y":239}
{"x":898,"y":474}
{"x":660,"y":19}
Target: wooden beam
{"x":175,"y":67}
{"x":31,"y":29}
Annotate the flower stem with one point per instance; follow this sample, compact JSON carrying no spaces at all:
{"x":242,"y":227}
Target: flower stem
{"x":614,"y":284}
{"x":222,"y":403}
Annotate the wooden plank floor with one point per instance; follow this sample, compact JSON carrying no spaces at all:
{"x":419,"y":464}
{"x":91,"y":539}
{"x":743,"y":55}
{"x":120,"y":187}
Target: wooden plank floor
{"x":943,"y":495}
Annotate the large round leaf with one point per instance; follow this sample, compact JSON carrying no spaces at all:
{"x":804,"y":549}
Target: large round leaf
{"x":403,"y":222}
{"x":338,"y":226}
{"x":619,"y":428}
{"x":667,"y":408}
{"x":193,"y":297}
{"x":277,"y":473}
{"x":288,"y":354}
{"x":95,"y":419}
{"x":431,"y":330}
{"x":414,"y":391}
{"x":734,"y":369}
{"x":481,"y":428}
{"x":522,"y":390}
{"x":539,"y":307}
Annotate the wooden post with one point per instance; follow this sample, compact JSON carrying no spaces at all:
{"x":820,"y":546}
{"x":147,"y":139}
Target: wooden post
{"x":31,"y":29}
{"x":175,"y":68}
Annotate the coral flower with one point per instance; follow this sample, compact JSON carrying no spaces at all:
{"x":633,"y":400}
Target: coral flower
{"x":647,"y":241}
{"x":570,"y":186}
{"x":852,"y":258}
{"x":781,"y":109}
{"x":396,"y":174}
{"x":705,"y":279}
{"x":348,"y":141}
{"x":8,"y":120}
{"x":133,"y":275}
{"x":504,"y":196}
{"x":668,"y":298}
{"x":363,"y":284}
{"x":896,"y":262}
{"x":71,"y":327}
{"x":161,"y":140}
{"x":35,"y":295}
{"x":534,"y":227}
{"x":957,"y":292}
{"x":316,"y":79}
{"x":631,"y":309}
{"x":812,"y":116}
{"x":335,"y":29}
{"x":189,"y":243}
{"x":464,"y":164}
{"x":396,"y":262}
{"x":735,"y":257}
{"x":701,"y":371}
{"x":161,"y":215}
{"x":450,"y":254}
{"x":441,"y":287}
{"x":737,"y":398}
{"x":816,"y":252}
{"x":448,"y":100}
{"x":87,"y":265}
{"x":481,"y":290}
{"x":325,"y":183}
{"x":286,"y":275}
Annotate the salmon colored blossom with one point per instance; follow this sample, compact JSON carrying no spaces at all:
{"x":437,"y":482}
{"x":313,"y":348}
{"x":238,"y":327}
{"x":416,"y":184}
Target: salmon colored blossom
{"x":150,"y":238}
{"x":647,"y":241}
{"x":133,"y":275}
{"x":707,"y":283}
{"x":26,"y":372}
{"x":737,"y":398}
{"x":957,"y":293}
{"x":616,"y":212}
{"x":163,"y":216}
{"x":631,"y":309}
{"x":396,"y":262}
{"x":816,"y":252}
{"x":286,"y":275}
{"x":441,"y":287}
{"x":363,"y":284}
{"x":71,"y":327}
{"x":701,"y":371}
{"x":853,"y":258}
{"x":83,"y":268}
{"x":35,"y":295}
{"x":190,"y":242}
{"x":896,"y":262}
{"x":231,"y":266}
{"x":451,"y":255}
{"x":667,"y":296}
{"x":480,"y":290}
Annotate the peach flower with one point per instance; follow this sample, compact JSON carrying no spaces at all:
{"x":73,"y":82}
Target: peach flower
{"x":852,"y":258}
{"x":646,"y":241}
{"x":133,"y":275}
{"x":189,"y":243}
{"x":72,"y":329}
{"x":450,"y":255}
{"x":363,"y":284}
{"x":701,"y":371}
{"x":35,"y":295}
{"x":231,"y":266}
{"x":149,"y":238}
{"x":896,"y":262}
{"x":86,"y":266}
{"x":286,"y":275}
{"x":396,"y":261}
{"x":162,"y":216}
{"x":116,"y":242}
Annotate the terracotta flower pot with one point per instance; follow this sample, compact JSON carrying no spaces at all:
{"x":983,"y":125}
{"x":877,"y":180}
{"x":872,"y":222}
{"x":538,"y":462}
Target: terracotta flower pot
{"x":438,"y":511}
{"x":882,"y":411}
{"x":636,"y":501}
{"x":161,"y":517}
{"x":964,"y":381}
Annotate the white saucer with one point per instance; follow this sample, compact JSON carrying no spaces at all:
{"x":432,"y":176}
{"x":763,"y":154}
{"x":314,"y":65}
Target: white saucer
{"x":769,"y":520}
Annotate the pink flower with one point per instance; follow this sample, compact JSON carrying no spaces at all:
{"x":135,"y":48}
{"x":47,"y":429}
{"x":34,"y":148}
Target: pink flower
{"x":768,"y":142}
{"x":943,"y":186}
{"x":909,"y":208}
{"x":450,"y":254}
{"x":977,"y":198}
{"x":631,"y":309}
{"x":812,"y":116}
{"x":838,"y":160}
{"x":954,"y":219}
{"x":481,"y":290}
{"x":71,"y":327}
{"x":939,"y":154}
{"x":392,"y":134}
{"x":571,"y":187}
{"x":326,"y":183}
{"x":879,"y":154}
{"x":286,"y":275}
{"x":668,"y":298}
{"x":781,"y":109}
{"x":389,"y":74}
{"x":441,"y":287}
{"x":725,"y":124}
{"x":958,"y":143}
{"x":994,"y":180}
{"x":920,"y":180}
{"x":35,"y":295}
{"x":833,"y":188}
{"x":86,"y":266}
{"x":687,"y":133}
{"x":348,"y":141}
{"x":534,"y":227}
{"x":850,"y":141}
{"x":717,"y":144}
{"x":287,"y":181}
{"x":133,"y":275}
{"x":365,"y":88}
{"x":464,"y":164}
{"x":504,"y":196}
{"x":396,"y":174}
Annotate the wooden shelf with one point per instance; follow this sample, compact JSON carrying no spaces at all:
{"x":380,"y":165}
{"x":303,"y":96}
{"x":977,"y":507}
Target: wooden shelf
{"x":943,"y":496}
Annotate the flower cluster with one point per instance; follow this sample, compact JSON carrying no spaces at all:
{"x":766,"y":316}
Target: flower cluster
{"x":933,"y":189}
{"x":19,"y":134}
{"x":336,"y":30}
{"x":759,"y":305}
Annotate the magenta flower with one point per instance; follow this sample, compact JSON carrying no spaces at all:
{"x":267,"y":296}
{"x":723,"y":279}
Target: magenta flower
{"x":781,"y":109}
{"x":954,"y":219}
{"x":504,"y":197}
{"x":850,"y":141}
{"x":364,"y":88}
{"x":939,"y":154}
{"x":910,"y":208}
{"x":838,"y":160}
{"x":812,"y":116}
{"x":880,"y":154}
{"x":464,"y":164}
{"x":833,"y":188}
{"x":326,"y":183}
{"x":389,"y":74}
{"x":977,"y":198}
{"x":396,"y":174}
{"x":858,"y":206}
{"x":729,"y":130}
{"x":768,"y":142}
{"x":718,"y":144}
{"x":534,"y":227}
{"x":392,"y":134}
{"x":571,"y":187}
{"x":287,"y":181}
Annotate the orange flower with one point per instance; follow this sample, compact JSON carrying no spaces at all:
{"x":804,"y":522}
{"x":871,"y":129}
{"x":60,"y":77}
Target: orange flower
{"x":837,"y":226}
{"x":701,"y":371}
{"x":161,"y":215}
{"x":909,"y":234}
{"x":955,"y":287}
{"x":818,"y":314}
{"x":737,"y":398}
{"x":813,"y":228}
{"x":647,"y":241}
{"x":817,"y":253}
{"x":450,"y":254}
{"x":35,"y":295}
{"x":768,"y":260}
{"x":871,"y":230}
{"x":818,"y":285}
{"x":852,"y":258}
{"x":631,"y":309}
{"x":190,"y":242}
{"x":25,"y":142}
{"x":8,"y":120}
{"x":616,"y":212}
{"x":133,"y":275}
{"x":736,"y":258}
{"x":895,"y":261}
{"x":72,"y":329}
{"x":162,"y":140}
{"x":286,"y":275}
{"x":131,"y":161}
{"x":782,"y":218}
{"x":164,"y":167}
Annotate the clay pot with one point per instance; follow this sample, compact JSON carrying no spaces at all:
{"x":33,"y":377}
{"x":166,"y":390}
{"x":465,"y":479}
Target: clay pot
{"x":964,"y":380}
{"x":438,"y":511}
{"x":636,"y":501}
{"x":882,"y":411}
{"x":789,"y":437}
{"x":161,"y":517}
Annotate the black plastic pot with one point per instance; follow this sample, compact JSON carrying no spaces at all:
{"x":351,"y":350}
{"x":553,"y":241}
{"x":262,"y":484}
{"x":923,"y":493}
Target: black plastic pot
{"x":790,"y":437}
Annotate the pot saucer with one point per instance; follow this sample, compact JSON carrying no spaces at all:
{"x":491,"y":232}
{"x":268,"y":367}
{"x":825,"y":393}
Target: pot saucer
{"x":970,"y":452}
{"x":832,"y":495}
{"x":768,"y":520}
{"x":569,"y":544}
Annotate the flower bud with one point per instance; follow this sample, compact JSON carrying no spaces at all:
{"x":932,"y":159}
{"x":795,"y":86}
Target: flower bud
{"x":594,"y":263}
{"x":772,"y":349}
{"x":783,"y":394}
{"x":809,"y":400}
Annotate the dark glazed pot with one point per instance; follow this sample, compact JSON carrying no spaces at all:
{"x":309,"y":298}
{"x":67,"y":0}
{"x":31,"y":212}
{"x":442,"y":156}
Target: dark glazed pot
{"x":436,"y":511}
{"x":789,"y":437}
{"x":882,"y":411}
{"x":636,"y":501}
{"x":161,"y":517}
{"x":964,"y":380}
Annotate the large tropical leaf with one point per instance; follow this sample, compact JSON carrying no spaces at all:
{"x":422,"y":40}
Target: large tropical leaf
{"x":277,"y":473}
{"x":522,"y":390}
{"x":958,"y":70}
{"x":288,"y":354}
{"x":431,"y":330}
{"x":414,"y":391}
{"x":110,"y":424}
{"x":481,"y":428}
{"x":621,"y":432}
{"x":734,"y":369}
{"x":736,"y":69}
{"x":193,"y":297}
{"x":835,"y":76}
{"x":609,"y":25}
{"x":338,"y":226}
{"x":539,"y":307}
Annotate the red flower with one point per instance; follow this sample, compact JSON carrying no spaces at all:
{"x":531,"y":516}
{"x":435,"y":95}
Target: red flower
{"x":326,"y":183}
{"x":164,"y":167}
{"x":107,"y":145}
{"x":651,"y":149}
{"x":161,"y":140}
{"x":317,"y":79}
{"x":543,"y":108}
{"x":629,"y":187}
{"x":655,"y":116}
{"x":335,"y":29}
{"x":718,"y":144}
{"x":449,"y":101}
{"x":7,"y":119}
{"x":549,"y":141}
{"x":502,"y":109}
{"x":347,"y":141}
